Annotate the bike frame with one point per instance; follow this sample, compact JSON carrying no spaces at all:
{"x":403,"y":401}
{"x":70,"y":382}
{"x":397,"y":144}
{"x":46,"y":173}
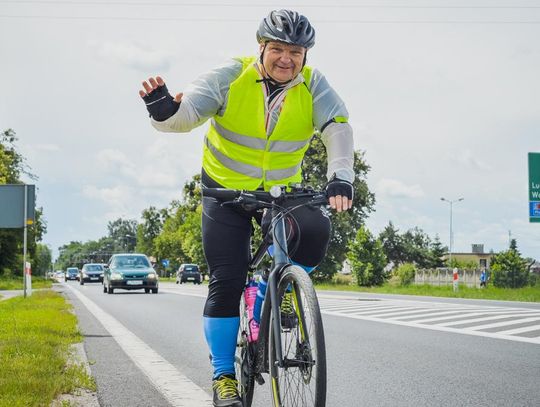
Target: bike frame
{"x":280,"y":262}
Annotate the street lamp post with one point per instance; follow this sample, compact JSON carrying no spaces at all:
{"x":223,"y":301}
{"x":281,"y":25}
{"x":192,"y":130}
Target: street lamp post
{"x":451,"y":235}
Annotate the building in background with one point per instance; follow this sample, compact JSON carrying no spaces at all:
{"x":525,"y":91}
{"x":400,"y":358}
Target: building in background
{"x":477,"y":255}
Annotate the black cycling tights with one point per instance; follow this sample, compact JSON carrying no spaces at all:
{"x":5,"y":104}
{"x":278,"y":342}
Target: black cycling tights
{"x":226,"y":233}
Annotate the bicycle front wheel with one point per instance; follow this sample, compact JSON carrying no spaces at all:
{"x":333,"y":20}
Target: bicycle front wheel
{"x":301,"y":381}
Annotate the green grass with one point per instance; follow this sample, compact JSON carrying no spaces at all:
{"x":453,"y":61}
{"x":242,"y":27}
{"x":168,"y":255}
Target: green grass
{"x":35,"y":338}
{"x":526,"y":294}
{"x":16,"y":283}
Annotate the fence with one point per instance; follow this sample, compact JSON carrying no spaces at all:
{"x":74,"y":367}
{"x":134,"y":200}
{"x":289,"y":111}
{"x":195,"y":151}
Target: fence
{"x":439,"y":277}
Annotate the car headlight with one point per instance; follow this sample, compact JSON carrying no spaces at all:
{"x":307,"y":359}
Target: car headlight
{"x":116,"y":276}
{"x":152,"y":276}
{"x":101,"y":275}
{"x":84,"y":275}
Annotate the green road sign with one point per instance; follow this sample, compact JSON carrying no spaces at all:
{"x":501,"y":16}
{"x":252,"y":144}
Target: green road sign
{"x":534,"y":187}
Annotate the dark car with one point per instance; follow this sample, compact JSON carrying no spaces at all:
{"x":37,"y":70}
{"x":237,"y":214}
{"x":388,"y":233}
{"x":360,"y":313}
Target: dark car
{"x":130,"y":272}
{"x":72,"y":273}
{"x":91,"y":273}
{"x":188,"y":272}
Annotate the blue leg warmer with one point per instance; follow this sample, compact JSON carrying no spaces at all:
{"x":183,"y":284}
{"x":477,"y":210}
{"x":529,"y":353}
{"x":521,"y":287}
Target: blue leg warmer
{"x":221,"y":334}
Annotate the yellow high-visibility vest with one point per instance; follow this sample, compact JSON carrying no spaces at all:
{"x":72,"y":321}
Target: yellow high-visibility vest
{"x":237,"y":152}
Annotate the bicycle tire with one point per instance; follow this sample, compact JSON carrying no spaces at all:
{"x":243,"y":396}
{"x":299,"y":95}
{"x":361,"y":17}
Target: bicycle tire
{"x":244,"y":359}
{"x":303,"y":381}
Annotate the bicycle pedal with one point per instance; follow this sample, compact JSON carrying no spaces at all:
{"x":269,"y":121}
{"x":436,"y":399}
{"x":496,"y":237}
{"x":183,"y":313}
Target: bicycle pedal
{"x":259,"y":379}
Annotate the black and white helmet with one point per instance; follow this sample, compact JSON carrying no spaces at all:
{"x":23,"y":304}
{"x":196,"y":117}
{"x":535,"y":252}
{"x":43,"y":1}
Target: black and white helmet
{"x":286,"y":26}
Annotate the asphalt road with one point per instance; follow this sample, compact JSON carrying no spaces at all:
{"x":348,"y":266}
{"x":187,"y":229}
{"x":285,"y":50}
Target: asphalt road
{"x":381,"y":350}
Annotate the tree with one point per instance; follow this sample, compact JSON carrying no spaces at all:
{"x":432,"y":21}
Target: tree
{"x":12,"y":163}
{"x":149,"y":229}
{"x":392,"y":244}
{"x":70,"y":255}
{"x":191,"y":239}
{"x":416,"y":244}
{"x":437,"y":251}
{"x":42,"y":261}
{"x":367,"y":259}
{"x":181,"y":232}
{"x":509,"y":269}
{"x":123,"y":232}
{"x":345,"y":224}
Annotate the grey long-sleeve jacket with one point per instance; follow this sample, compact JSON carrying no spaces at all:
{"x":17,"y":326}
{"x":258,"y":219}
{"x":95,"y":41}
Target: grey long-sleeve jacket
{"x":208,"y":94}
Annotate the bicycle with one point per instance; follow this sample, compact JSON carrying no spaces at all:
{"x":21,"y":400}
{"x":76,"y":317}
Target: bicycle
{"x":293,"y":353}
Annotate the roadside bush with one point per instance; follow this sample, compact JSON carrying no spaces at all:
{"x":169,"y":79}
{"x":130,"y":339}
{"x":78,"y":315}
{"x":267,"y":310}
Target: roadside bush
{"x":406,"y":273}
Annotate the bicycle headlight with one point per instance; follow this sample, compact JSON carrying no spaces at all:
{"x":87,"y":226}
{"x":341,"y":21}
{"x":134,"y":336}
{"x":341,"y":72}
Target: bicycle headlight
{"x":275,"y":191}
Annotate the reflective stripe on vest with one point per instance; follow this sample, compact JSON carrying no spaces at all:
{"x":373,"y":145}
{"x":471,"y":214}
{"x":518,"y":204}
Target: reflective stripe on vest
{"x":278,"y":146}
{"x":242,"y":168}
{"x":275,"y":175}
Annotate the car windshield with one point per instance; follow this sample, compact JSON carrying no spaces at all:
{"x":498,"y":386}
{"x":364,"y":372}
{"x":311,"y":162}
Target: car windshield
{"x":191,"y":268}
{"x":72,"y":270}
{"x":94,"y":267}
{"x":124,"y":262}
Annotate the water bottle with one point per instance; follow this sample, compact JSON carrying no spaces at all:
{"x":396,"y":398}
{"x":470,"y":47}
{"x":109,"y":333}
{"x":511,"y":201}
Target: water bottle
{"x":261,"y":292}
{"x":250,"y":295}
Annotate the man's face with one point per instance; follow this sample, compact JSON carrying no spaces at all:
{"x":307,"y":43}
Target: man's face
{"x":282,"y":61}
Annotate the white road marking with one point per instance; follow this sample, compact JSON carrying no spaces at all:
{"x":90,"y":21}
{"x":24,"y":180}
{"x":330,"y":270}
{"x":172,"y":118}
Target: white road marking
{"x":401,"y":312}
{"x":175,"y":387}
{"x":505,"y":323}
{"x":168,"y":290}
{"x":471,"y":320}
{"x":521,"y":330}
{"x":374,"y":310}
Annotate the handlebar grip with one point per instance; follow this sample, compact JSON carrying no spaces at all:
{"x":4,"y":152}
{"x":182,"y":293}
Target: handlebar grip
{"x":320,"y":199}
{"x":221,"y":193}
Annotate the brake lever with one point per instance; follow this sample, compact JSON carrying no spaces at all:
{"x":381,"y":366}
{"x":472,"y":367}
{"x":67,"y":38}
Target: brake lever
{"x":318,"y":200}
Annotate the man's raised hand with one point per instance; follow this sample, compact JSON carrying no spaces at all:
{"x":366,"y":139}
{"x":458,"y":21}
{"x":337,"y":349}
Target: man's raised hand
{"x":159,"y":102}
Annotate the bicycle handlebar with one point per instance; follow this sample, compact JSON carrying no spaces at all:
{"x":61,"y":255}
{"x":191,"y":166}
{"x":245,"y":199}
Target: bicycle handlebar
{"x":223,"y":194}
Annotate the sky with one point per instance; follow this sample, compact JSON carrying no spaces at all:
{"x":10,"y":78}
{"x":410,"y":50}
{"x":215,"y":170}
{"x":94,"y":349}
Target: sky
{"x":443,"y":98}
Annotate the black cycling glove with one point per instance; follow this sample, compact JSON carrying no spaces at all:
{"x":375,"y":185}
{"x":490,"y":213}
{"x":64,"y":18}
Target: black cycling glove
{"x":341,"y":187}
{"x":160,"y":104}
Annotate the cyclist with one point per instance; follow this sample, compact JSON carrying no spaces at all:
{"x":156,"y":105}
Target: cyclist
{"x":263,"y":112}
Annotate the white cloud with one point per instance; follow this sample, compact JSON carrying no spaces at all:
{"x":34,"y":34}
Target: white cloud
{"x":143,"y":58}
{"x":49,"y":148}
{"x":395,"y":188}
{"x":468,"y":158}
{"x":117,"y":197}
{"x":155,"y":167}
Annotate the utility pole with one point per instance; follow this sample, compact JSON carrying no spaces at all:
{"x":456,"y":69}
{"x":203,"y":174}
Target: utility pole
{"x":451,"y":232}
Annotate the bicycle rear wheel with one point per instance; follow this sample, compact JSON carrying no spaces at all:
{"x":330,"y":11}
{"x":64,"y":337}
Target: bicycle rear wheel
{"x":244,"y":358}
{"x":302,"y":379}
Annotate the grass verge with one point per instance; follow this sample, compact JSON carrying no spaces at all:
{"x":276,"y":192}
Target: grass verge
{"x":35,"y":337}
{"x":525,"y":294}
{"x":16,"y":283}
